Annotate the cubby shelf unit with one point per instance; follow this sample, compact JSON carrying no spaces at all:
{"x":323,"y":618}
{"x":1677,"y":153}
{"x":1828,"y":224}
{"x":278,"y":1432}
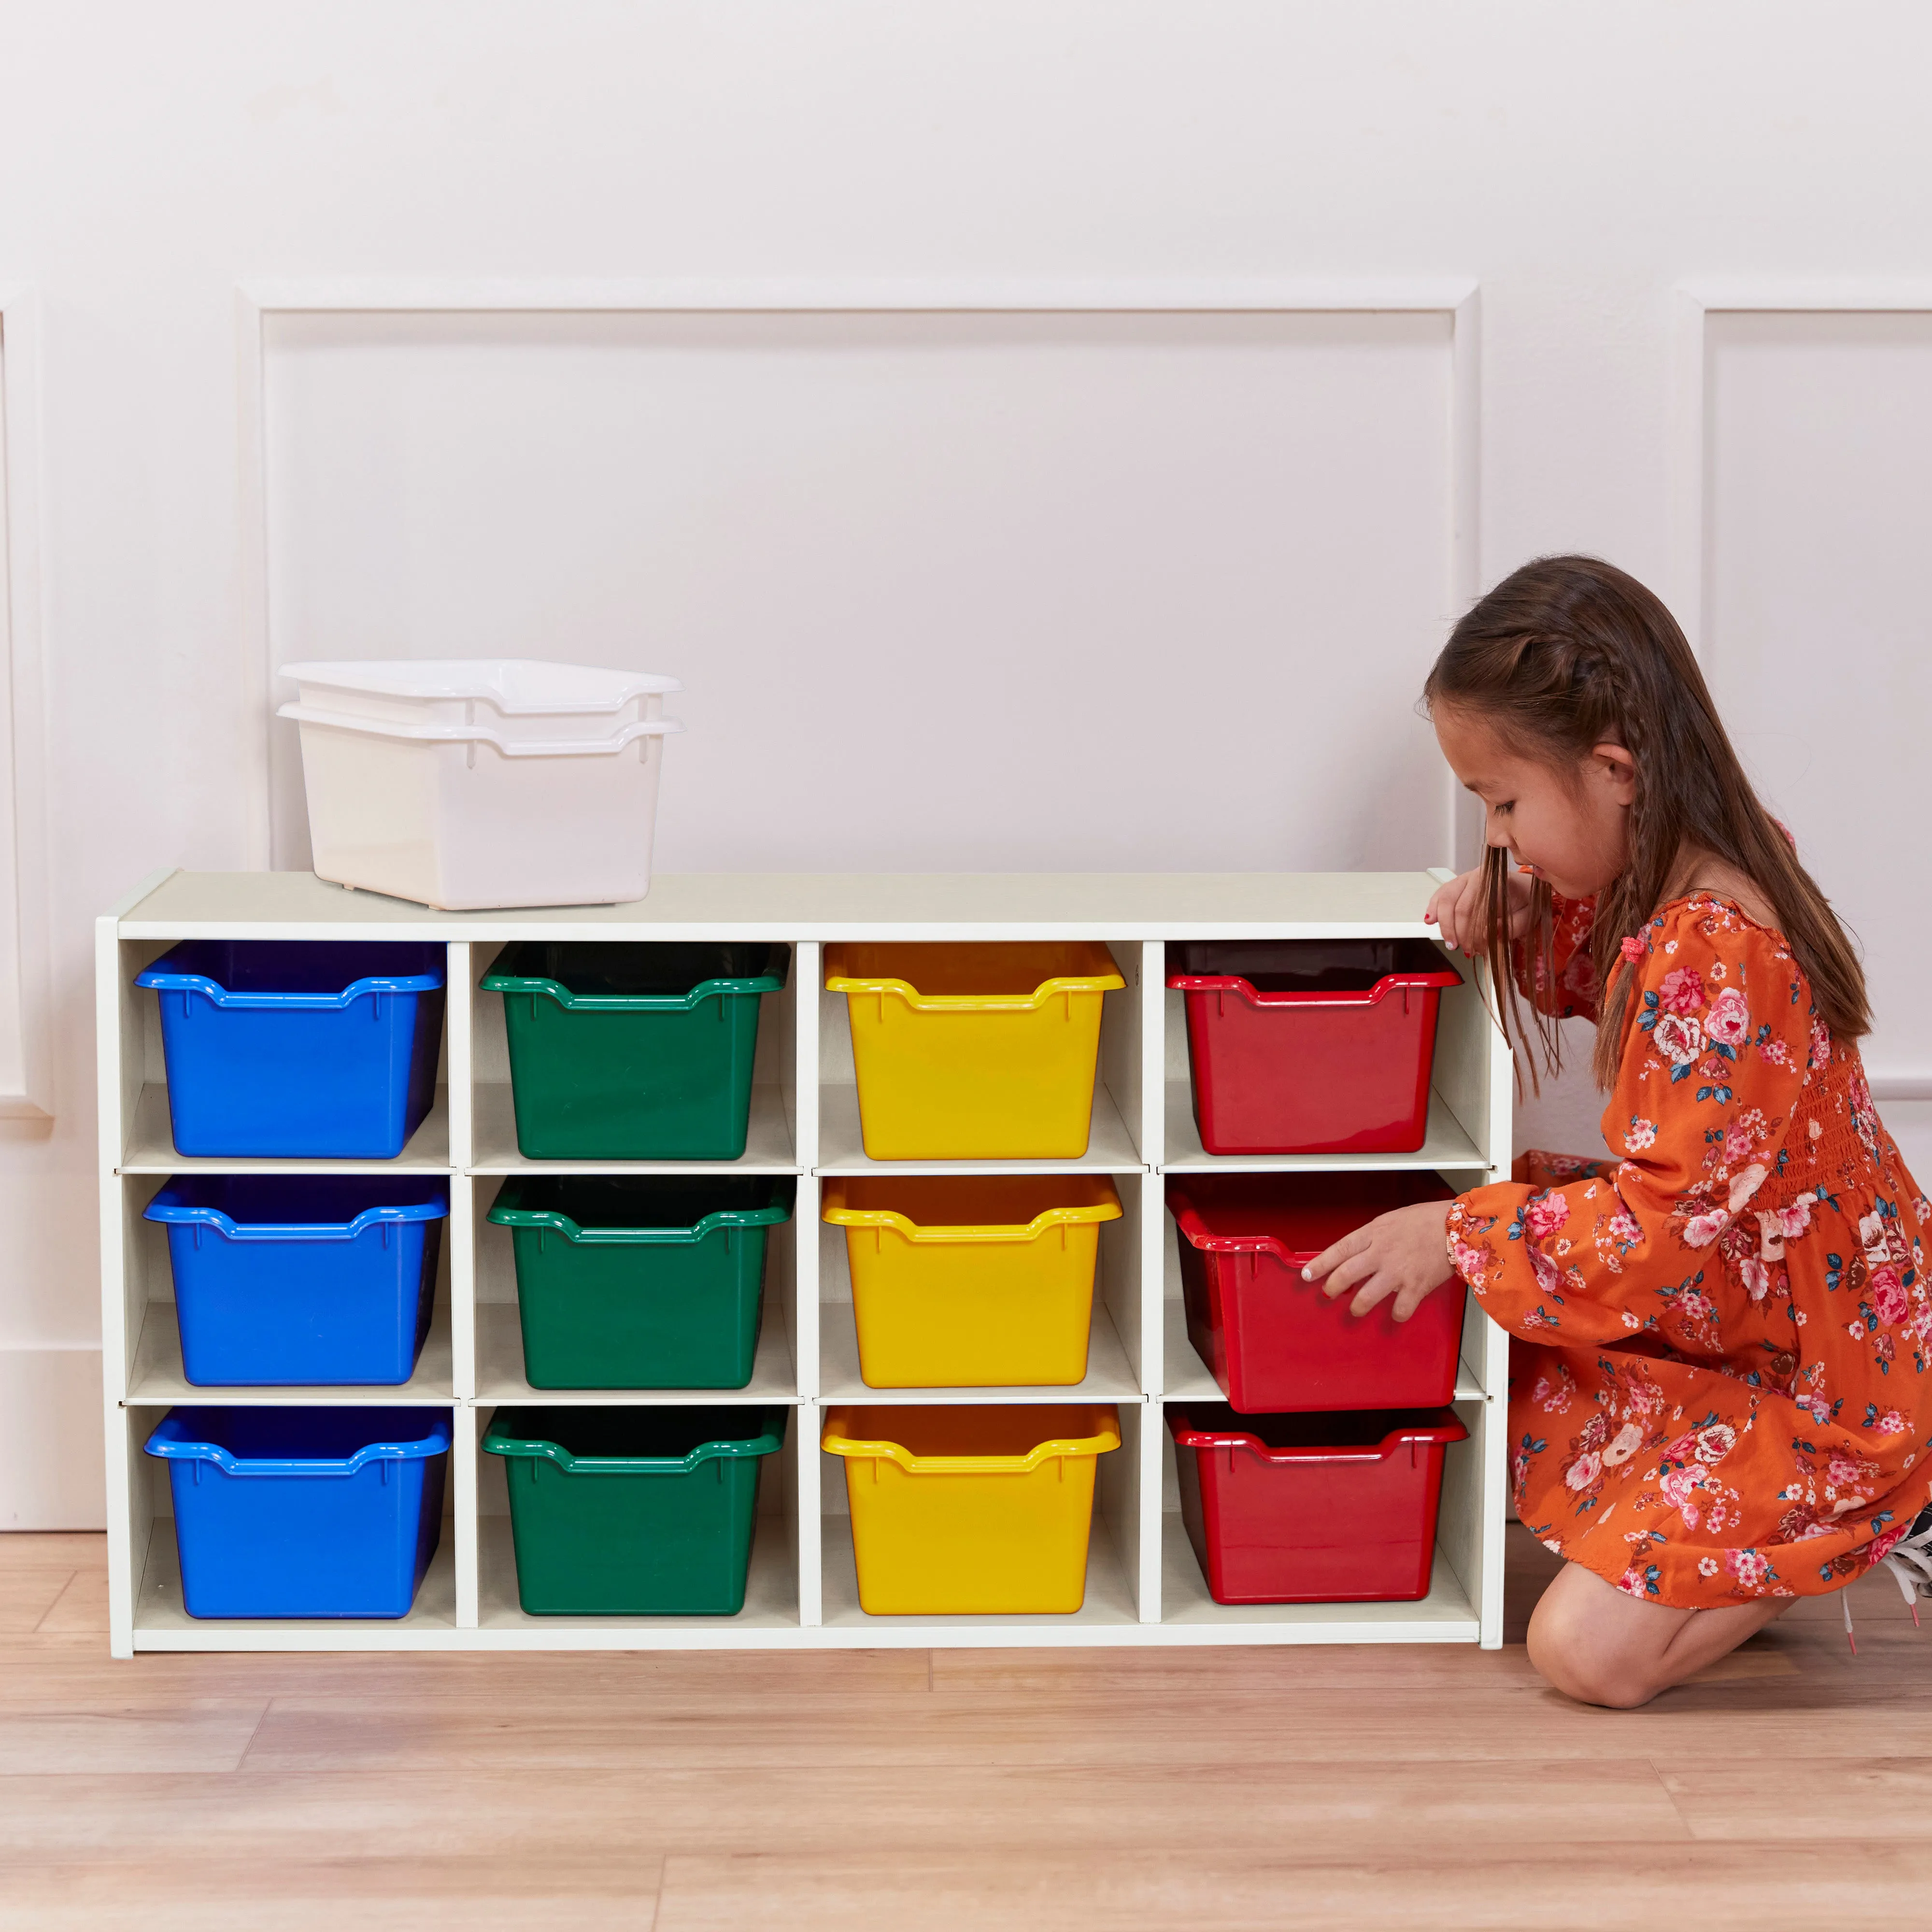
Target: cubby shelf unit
{"x":1143,"y":1586}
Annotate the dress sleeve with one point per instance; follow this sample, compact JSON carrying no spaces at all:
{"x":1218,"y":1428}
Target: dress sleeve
{"x":1716,"y":1055}
{"x":1566,"y":988}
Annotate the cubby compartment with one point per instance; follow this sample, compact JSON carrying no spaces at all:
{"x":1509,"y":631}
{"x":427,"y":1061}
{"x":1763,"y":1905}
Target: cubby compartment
{"x":145,"y":1135}
{"x":1116,"y":1131}
{"x":1113,"y":1591}
{"x":156,"y":1611}
{"x":772,"y":1592}
{"x":501,"y":1373}
{"x":1463,"y":1105}
{"x":771,"y":1142}
{"x":1115,"y":1353}
{"x":1466,"y":1582}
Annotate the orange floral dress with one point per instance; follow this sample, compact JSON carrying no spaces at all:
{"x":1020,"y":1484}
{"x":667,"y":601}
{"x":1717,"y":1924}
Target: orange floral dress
{"x":1726,"y":1391}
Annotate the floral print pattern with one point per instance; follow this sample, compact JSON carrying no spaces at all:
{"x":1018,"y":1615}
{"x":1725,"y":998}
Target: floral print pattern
{"x":1722,"y":1387}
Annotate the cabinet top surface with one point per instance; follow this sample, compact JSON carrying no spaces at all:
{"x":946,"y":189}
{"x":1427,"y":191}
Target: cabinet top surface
{"x":809,"y":905}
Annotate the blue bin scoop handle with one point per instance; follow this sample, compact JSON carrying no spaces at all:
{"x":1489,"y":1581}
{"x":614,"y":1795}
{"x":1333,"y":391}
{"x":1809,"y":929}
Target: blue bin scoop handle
{"x":218,"y":994}
{"x":435,"y":1443}
{"x":159,"y":1210}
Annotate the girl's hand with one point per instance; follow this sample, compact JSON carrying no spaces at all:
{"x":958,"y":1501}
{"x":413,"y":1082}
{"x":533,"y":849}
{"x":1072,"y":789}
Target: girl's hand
{"x":1404,"y":1253}
{"x":1460,"y":910}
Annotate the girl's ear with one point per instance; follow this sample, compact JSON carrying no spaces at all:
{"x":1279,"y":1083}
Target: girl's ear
{"x":1614,"y":766}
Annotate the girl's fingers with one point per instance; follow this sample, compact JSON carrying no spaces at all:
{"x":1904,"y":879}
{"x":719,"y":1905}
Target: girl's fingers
{"x":1375,"y":1292}
{"x":1329,"y":1257}
{"x":1410,"y":1299}
{"x":1349,"y":1273}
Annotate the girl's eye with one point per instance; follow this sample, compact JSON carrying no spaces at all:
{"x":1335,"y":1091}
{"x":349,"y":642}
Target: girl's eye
{"x":1508,"y":806}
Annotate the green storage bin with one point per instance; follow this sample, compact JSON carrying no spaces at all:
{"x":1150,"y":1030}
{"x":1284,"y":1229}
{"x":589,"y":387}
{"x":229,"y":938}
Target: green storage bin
{"x":633,"y":1052}
{"x":644,"y":1281}
{"x":642,"y":1511}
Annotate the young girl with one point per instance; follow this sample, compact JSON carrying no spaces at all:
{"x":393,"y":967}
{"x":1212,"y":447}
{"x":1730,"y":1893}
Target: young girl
{"x":1721,"y":1398}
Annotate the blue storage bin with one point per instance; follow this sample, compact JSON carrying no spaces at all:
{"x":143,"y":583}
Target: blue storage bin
{"x":311,"y":1049}
{"x":304,"y":1512}
{"x":282,"y":1279}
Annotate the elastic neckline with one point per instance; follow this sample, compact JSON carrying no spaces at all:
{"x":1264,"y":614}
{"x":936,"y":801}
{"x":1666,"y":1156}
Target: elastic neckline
{"x":1722,"y":898}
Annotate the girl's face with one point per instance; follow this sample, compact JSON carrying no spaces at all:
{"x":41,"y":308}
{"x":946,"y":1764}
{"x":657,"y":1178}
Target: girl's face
{"x":1568,"y":827}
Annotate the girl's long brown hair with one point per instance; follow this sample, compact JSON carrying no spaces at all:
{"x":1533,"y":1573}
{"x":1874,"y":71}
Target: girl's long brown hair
{"x":1568,"y":653}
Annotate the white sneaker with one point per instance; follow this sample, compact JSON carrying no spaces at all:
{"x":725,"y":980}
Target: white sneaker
{"x":1910,"y":1560}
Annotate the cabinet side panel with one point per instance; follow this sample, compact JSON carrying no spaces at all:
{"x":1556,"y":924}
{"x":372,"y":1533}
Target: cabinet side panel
{"x":459,"y":1052}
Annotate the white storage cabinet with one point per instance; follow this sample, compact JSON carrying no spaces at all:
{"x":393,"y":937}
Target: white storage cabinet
{"x":1144,"y":1586}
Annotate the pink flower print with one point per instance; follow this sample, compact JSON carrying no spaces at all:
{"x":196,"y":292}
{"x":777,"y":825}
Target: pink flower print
{"x":1729,"y":1021}
{"x":1757,"y":1278}
{"x":1888,"y":1294}
{"x":1545,"y":1214}
{"x":1622,"y":1447}
{"x":1821,"y":1045}
{"x":1679,"y":1038}
{"x":1471,"y":1264}
{"x":1716,"y":1441}
{"x":1547,"y":1278}
{"x":1841,"y":1468}
{"x":1752,"y":1570}
{"x":1626,"y":1227}
{"x":1776,"y":1053}
{"x":1646,"y":1398}
{"x":1679,"y":1490}
{"x":1856,"y":1330}
{"x":1777,"y":1226}
{"x":1701,"y":1230}
{"x":1891,"y":1423}
{"x":1585,"y":1471}
{"x":1682,"y":991}
{"x":1816,"y":1407}
{"x":1639,"y":1134}
{"x":1880,"y":1546}
{"x":1594,"y":1432}
{"x":1707,"y":1566}
{"x":1745,"y":1183}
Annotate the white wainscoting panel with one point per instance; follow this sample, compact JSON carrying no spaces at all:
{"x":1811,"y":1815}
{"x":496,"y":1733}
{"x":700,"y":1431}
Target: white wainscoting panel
{"x":1817,"y":509}
{"x":949,"y":591}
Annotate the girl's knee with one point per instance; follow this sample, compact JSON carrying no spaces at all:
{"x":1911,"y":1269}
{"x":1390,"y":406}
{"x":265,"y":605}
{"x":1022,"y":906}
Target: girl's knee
{"x":1570,"y":1655}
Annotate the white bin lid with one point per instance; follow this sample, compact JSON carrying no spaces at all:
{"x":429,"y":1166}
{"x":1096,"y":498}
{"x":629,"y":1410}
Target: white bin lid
{"x":515,"y":686}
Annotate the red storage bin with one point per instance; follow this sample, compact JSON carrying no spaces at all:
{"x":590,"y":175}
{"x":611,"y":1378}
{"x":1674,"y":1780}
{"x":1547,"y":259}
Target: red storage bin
{"x":1311,"y":1046}
{"x":1312,"y":1509}
{"x":1274,"y":1342}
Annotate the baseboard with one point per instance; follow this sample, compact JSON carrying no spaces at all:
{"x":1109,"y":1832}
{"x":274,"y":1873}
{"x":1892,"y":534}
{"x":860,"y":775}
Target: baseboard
{"x":51,"y":1461}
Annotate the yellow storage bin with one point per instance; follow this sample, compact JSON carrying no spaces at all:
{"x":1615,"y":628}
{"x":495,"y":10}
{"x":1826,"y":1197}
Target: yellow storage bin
{"x":974,"y":1051}
{"x":980,"y":1510}
{"x":972,"y":1281}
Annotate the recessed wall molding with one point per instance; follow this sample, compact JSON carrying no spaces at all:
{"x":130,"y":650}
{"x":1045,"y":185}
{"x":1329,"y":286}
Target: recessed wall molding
{"x":1701,"y":309}
{"x":265,"y":307}
{"x":26,"y":1078}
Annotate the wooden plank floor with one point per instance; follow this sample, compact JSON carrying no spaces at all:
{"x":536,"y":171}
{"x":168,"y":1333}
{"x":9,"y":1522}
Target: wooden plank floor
{"x":1024,"y":1791}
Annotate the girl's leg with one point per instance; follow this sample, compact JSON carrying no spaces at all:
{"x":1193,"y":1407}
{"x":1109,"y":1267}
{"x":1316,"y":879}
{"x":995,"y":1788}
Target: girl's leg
{"x":1601,"y":1645}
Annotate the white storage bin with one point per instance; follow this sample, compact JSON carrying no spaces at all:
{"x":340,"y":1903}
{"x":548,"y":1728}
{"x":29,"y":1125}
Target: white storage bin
{"x":466,"y":818}
{"x":520,"y":699}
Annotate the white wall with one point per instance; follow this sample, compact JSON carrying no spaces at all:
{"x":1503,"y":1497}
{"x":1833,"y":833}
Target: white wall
{"x":1265,"y":576}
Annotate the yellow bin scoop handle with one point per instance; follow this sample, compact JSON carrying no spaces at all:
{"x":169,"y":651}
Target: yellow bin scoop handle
{"x":1073,"y":967}
{"x":1100,"y":1424}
